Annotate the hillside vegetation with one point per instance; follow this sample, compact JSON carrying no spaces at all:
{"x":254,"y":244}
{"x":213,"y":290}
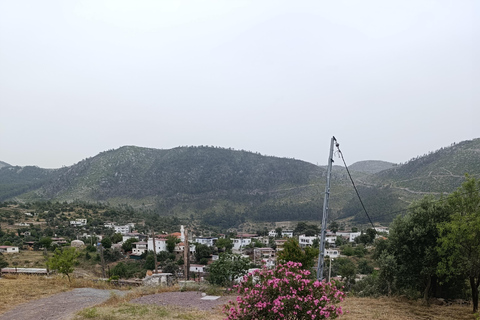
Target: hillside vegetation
{"x":225,"y":187}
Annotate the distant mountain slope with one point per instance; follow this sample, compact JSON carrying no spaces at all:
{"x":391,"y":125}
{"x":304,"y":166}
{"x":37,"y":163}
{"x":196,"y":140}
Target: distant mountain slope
{"x":3,"y":164}
{"x":15,"y":180}
{"x":439,"y":171}
{"x":225,"y":187}
{"x":134,"y":172}
{"x":371,"y":166}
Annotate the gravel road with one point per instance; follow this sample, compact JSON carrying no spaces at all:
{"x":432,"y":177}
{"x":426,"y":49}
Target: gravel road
{"x":187,"y":299}
{"x":60,"y":306}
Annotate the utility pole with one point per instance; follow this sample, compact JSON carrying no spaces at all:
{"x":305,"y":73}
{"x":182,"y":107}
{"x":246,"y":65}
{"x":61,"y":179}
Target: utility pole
{"x":154,"y":252}
{"x":323,"y":232}
{"x":102,"y":259}
{"x":186,"y":256}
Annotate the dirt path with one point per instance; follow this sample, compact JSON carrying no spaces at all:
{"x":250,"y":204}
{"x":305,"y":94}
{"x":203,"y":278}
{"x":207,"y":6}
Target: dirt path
{"x":60,"y":306}
{"x":187,"y":299}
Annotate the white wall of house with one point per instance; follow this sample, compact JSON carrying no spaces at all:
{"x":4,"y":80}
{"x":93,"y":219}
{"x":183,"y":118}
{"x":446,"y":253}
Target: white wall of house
{"x":9,"y":249}
{"x":332,"y":253}
{"x":209,"y":241}
{"x":160,"y":245}
{"x":306,"y":241}
{"x":353,"y":235}
{"x":241,"y":243}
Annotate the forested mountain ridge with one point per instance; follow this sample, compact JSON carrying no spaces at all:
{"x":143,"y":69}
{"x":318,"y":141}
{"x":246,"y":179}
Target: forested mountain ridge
{"x":371,"y":166}
{"x":3,"y":164}
{"x":225,"y":187}
{"x":436,"y":172}
{"x":137,"y":173}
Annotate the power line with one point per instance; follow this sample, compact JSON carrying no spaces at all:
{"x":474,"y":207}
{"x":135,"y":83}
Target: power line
{"x":353,"y":183}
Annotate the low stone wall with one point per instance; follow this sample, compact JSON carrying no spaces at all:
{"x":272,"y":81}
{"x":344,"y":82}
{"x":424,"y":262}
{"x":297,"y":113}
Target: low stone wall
{"x":158,"y":279}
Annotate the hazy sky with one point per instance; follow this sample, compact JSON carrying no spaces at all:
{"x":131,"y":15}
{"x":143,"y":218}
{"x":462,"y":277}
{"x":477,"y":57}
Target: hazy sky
{"x":390,"y":79}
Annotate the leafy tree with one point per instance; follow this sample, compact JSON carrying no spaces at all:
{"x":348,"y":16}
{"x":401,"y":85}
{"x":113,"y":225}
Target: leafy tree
{"x":333,"y":226}
{"x":224,"y":244}
{"x":413,"y":242}
{"x":346,"y":268}
{"x":227,"y":268}
{"x":388,"y":271}
{"x":366,"y":238}
{"x":117,"y":237}
{"x":128,"y":245}
{"x":364,"y":267}
{"x":460,"y":237}
{"x":45,"y":242}
{"x":3,"y":263}
{"x":278,"y":231}
{"x":106,"y":242}
{"x":293,"y":252}
{"x":63,"y":260}
{"x":171,"y":243}
{"x":202,"y":251}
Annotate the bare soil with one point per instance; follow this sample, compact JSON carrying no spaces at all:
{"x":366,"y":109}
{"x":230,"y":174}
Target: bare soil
{"x":60,"y":306}
{"x":187,"y":299}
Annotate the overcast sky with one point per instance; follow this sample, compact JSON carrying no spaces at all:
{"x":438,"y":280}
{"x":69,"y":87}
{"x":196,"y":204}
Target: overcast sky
{"x":390,"y":79}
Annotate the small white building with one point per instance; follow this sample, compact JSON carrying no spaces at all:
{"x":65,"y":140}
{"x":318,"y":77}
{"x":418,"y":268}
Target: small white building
{"x":306,"y":241}
{"x":208,"y":241}
{"x":287,"y":233}
{"x":382,"y":229}
{"x":140,"y":247}
{"x":198,"y":268}
{"x":353,"y":235}
{"x":123,"y":229}
{"x":239,"y":243}
{"x":9,"y":249}
{"x":78,"y":222}
{"x":160,"y":245}
{"x":332,"y":253}
{"x":272,"y":233}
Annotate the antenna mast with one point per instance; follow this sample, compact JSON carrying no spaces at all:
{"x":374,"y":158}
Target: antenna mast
{"x":323,"y":231}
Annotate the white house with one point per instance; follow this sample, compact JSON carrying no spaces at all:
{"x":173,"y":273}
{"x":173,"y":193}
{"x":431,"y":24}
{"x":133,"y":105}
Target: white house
{"x":209,"y":241}
{"x":160,"y":245}
{"x":139,"y":248}
{"x":8,"y":249}
{"x":306,"y":241}
{"x":123,"y":229}
{"x":382,"y":229}
{"x":239,"y":243}
{"x":330,"y":239}
{"x":287,"y":233}
{"x":199,"y":268}
{"x":78,"y":222}
{"x":332,"y":253}
{"x":272,"y":233}
{"x":353,"y":235}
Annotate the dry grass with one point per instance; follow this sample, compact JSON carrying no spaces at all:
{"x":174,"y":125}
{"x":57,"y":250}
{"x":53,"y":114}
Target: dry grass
{"x":402,"y":309}
{"x":26,"y":259}
{"x":17,"y":289}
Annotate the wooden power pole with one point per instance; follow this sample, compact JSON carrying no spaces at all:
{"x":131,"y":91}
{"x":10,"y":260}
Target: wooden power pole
{"x":154,"y":252}
{"x":186,"y":256}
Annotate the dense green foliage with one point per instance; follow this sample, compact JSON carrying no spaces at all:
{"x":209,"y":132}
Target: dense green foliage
{"x":227,"y":268}
{"x":292,"y":252}
{"x":63,"y":260}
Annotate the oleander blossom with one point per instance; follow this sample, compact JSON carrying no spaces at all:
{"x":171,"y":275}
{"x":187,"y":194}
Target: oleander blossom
{"x":286,"y":292}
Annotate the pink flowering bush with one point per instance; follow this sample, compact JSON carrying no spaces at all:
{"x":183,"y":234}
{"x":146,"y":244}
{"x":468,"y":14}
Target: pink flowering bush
{"x":286,"y":292}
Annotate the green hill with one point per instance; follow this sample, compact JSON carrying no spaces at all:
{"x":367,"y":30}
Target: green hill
{"x":226,"y":187}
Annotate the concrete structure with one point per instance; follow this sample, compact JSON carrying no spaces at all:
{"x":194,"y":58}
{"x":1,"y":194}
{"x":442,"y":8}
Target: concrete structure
{"x":77,"y":244}
{"x":197,"y":268}
{"x":78,"y":222}
{"x":332,"y":253}
{"x":287,"y":233}
{"x":264,"y":256}
{"x":306,"y":241}
{"x":240,"y":243}
{"x":160,"y":245}
{"x":158,"y":279}
{"x":208,"y":241}
{"x":140,"y":247}
{"x":9,"y":249}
